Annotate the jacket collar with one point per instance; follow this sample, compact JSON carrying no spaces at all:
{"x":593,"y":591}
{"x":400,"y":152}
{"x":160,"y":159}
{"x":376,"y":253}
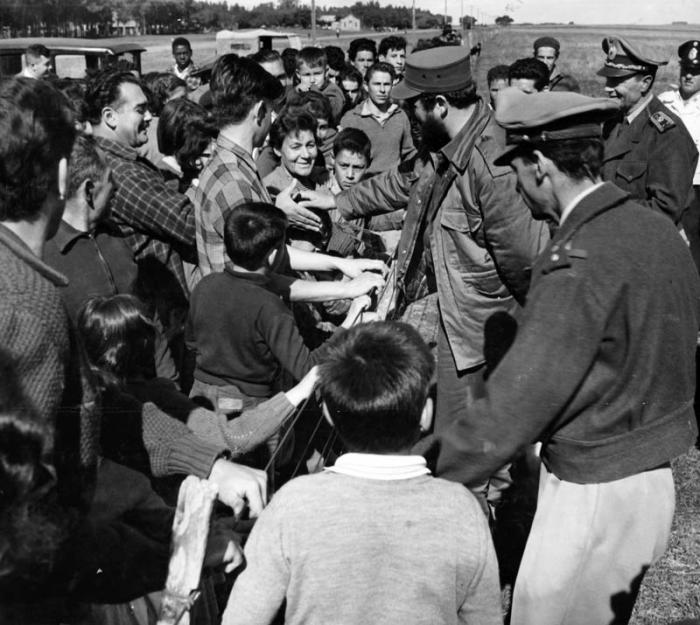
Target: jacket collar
{"x":459,"y":150}
{"x":616,"y":147}
{"x":602,"y":199}
{"x":116,"y":148}
{"x":223,"y":143}
{"x":20,"y":249}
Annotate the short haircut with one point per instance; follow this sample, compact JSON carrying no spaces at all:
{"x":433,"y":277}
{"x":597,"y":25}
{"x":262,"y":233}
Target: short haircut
{"x":103,"y":90}
{"x":311,"y":57}
{"x":86,"y":163}
{"x":382,"y":67}
{"x":375,"y":380}
{"x":361,"y":44}
{"x":37,"y":130}
{"x":181,"y":41}
{"x":265,"y":55}
{"x":291,"y":121}
{"x":185,"y":129}
{"x":237,"y":84}
{"x":74,"y":91}
{"x":36,"y":51}
{"x":350,"y":73}
{"x":498,"y":72}
{"x":353,"y":140}
{"x":531,"y":69}
{"x":335,"y":57}
{"x":580,"y":159}
{"x":251,"y":231}
{"x":289,"y":60}
{"x":119,"y":338}
{"x":161,"y":86}
{"x":392,"y":42}
{"x":317,"y":104}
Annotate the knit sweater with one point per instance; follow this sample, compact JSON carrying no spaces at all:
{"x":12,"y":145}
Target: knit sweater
{"x":343,"y":549}
{"x":391,"y":139}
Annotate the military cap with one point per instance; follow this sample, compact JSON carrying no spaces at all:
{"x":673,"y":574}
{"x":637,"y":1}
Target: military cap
{"x":538,"y":118}
{"x":689,"y":54}
{"x":624,"y":58}
{"x":546,"y":42}
{"x":437,"y":70}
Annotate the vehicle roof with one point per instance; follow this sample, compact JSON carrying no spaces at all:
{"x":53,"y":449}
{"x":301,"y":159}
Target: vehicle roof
{"x":67,"y":45}
{"x":251,"y":34}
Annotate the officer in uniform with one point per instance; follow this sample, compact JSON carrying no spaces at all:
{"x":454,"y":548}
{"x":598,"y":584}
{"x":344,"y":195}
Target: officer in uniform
{"x":685,"y":102}
{"x":601,"y":371}
{"x":648,"y":151}
{"x":546,"y":49}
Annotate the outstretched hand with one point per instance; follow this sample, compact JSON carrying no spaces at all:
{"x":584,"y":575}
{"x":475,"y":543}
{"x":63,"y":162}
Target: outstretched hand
{"x":240,"y":486}
{"x":297,"y":214}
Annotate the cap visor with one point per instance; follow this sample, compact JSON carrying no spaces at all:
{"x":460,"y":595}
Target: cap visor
{"x":614,"y":72}
{"x":505,"y":157}
{"x":402,"y":91}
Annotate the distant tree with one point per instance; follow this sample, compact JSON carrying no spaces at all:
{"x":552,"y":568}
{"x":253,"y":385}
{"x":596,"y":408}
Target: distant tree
{"x":468,"y":22}
{"x":504,"y":20}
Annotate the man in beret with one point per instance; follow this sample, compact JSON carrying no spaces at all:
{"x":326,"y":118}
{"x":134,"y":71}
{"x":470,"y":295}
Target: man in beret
{"x":685,"y":102}
{"x":469,"y":240}
{"x":648,"y":151}
{"x":546,"y":49}
{"x":601,"y":370}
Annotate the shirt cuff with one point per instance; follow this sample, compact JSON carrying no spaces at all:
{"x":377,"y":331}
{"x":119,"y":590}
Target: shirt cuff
{"x":193,"y":456}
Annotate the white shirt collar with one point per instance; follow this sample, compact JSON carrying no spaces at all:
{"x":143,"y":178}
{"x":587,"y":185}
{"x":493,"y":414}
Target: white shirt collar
{"x":577,"y":200}
{"x":641,"y":105}
{"x":380,"y":467}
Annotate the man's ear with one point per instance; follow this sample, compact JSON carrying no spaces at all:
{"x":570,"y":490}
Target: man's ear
{"x":426,"y":418}
{"x":260,"y":111}
{"x":441,"y":106}
{"x":542,"y":166}
{"x":109,"y":117}
{"x":326,"y":413}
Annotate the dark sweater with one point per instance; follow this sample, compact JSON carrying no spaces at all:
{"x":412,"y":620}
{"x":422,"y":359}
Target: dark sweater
{"x":243,"y":334}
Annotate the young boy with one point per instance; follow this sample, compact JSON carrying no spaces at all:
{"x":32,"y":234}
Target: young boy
{"x":242,"y":333}
{"x":497,"y":79}
{"x":392,"y":50}
{"x":352,"y":154}
{"x":383,"y":120}
{"x":362,"y":54}
{"x":350,"y":81}
{"x":373,"y":539}
{"x":312,"y":73}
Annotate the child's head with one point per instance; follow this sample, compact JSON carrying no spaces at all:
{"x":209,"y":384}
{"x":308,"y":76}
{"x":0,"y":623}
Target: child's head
{"x":336,"y":62}
{"x":293,"y":138}
{"x":319,"y":107}
{"x":351,"y":156}
{"x":253,"y":231}
{"x":350,"y":81}
{"x":392,"y":50}
{"x":497,"y":79}
{"x":119,"y":338}
{"x":380,"y":79}
{"x":312,"y":67}
{"x":362,"y":54}
{"x":374,"y":384}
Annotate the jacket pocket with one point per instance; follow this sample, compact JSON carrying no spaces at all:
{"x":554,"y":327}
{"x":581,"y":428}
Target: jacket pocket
{"x":631,"y":170}
{"x":455,"y":219}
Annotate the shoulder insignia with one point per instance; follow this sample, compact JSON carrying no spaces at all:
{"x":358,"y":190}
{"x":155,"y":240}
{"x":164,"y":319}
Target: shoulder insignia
{"x":560,"y":257}
{"x":661,"y":121}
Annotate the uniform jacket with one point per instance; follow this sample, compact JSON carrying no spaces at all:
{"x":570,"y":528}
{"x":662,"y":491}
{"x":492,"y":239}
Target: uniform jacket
{"x":483,"y":241}
{"x":602,"y":366}
{"x":653,"y":159}
{"x":689,"y":112}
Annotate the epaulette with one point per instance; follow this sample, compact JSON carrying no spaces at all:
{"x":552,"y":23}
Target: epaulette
{"x":661,"y":121}
{"x":560,"y":257}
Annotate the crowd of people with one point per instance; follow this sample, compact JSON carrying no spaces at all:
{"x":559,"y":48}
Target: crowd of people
{"x":192,"y":261}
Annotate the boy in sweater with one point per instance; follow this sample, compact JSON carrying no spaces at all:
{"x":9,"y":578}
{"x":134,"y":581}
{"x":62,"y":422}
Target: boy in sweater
{"x":373,"y":539}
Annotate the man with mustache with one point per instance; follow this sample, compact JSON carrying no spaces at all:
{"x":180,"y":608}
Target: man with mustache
{"x":469,"y":240}
{"x":648,"y":151}
{"x":685,"y":102}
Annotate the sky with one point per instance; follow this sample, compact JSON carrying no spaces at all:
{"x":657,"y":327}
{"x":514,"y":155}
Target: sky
{"x":579,"y":11}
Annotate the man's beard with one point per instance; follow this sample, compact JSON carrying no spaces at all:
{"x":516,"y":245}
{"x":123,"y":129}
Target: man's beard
{"x":433,"y":135}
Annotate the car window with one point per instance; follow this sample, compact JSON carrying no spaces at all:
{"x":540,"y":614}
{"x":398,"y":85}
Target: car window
{"x":70,"y":65}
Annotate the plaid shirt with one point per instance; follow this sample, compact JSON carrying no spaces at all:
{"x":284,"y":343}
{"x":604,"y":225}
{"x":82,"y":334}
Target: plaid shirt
{"x":230,"y":178}
{"x":156,"y":220}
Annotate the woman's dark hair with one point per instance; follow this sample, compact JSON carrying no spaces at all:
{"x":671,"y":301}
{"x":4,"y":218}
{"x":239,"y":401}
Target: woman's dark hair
{"x":185,"y":129}
{"x":237,"y":84}
{"x":119,"y":338}
{"x":291,"y":121}
{"x":37,"y":129}
{"x":251,"y":231}
{"x":161,"y":86}
{"x":314,"y":103}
